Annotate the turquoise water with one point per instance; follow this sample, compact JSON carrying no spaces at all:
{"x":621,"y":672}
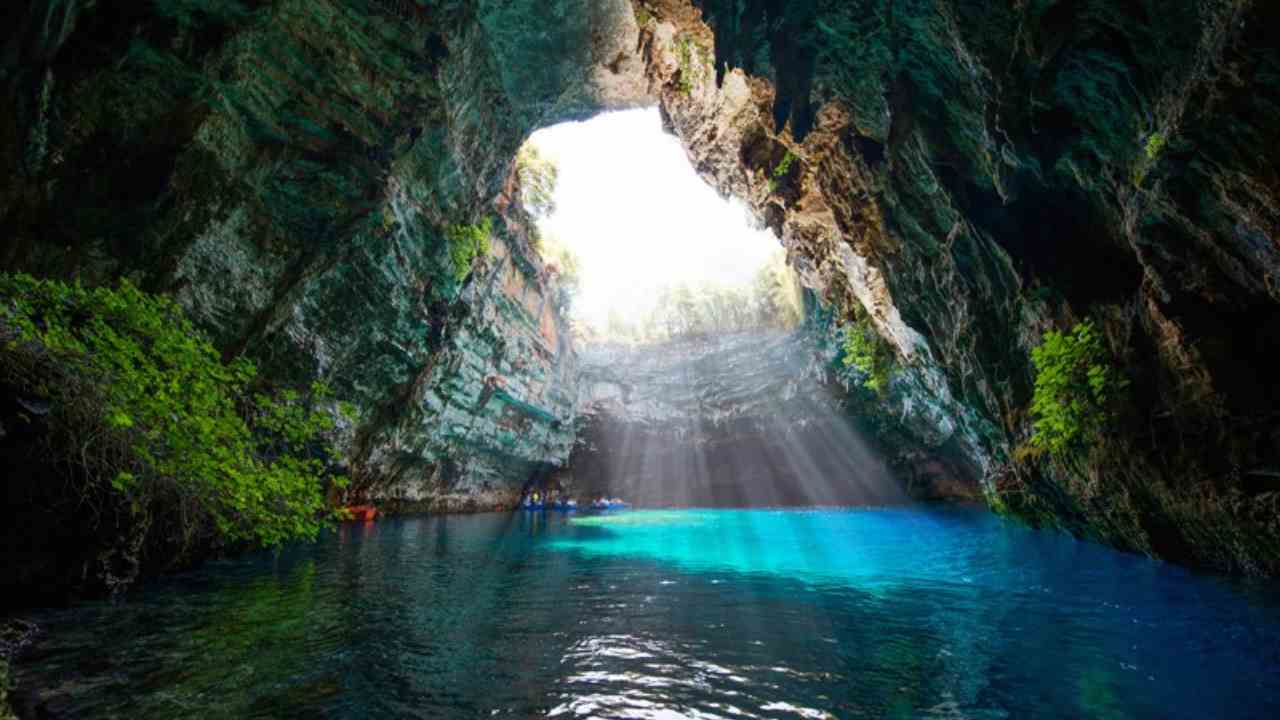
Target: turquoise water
{"x":900,"y":613}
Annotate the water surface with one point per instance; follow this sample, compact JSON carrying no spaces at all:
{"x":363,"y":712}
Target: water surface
{"x":900,"y":613}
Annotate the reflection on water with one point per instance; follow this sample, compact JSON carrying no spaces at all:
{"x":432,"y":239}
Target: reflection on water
{"x":895,"y":613}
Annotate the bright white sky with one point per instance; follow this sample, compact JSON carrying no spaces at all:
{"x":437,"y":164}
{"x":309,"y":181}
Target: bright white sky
{"x":631,"y":207}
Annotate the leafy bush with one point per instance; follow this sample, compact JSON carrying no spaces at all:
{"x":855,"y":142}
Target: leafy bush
{"x":538,"y":176}
{"x":1154,"y":145}
{"x":1151,"y":150}
{"x":1076,"y":386}
{"x":784,"y":167}
{"x":150,"y":417}
{"x":691,"y":64}
{"x":869,"y":354}
{"x":466,"y":242}
{"x":781,"y":171}
{"x":565,"y":263}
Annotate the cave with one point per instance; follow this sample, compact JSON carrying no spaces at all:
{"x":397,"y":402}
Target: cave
{"x":268,"y":268}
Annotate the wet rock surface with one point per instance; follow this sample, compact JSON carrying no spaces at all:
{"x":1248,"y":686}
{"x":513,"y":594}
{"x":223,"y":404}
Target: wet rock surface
{"x":965,"y":174}
{"x":972,"y":174}
{"x":289,"y":171}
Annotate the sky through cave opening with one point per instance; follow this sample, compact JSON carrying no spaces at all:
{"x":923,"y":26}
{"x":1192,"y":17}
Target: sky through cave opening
{"x":657,"y":253}
{"x":731,"y":413}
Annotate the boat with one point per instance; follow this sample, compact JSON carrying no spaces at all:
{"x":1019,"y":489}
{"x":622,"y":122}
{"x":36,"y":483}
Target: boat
{"x":365,"y":513}
{"x":566,"y":505}
{"x":531,"y":505}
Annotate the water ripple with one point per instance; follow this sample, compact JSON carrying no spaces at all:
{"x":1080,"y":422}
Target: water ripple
{"x":900,"y":613}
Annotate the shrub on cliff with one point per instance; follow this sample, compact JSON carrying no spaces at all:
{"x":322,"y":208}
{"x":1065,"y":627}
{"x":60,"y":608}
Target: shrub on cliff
{"x":1076,"y":385}
{"x":145,"y":420}
{"x":538,"y":177}
{"x":869,"y":354}
{"x":466,"y":242}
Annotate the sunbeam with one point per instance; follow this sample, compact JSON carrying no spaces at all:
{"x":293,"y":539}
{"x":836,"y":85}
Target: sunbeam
{"x":730,"y":421}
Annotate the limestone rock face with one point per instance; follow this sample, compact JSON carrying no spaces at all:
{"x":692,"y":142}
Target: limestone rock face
{"x":289,"y":169}
{"x":973,"y":174}
{"x":967,"y":174}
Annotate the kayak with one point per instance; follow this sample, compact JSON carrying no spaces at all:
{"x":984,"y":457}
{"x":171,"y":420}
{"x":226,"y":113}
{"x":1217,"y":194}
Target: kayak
{"x":362,"y":512}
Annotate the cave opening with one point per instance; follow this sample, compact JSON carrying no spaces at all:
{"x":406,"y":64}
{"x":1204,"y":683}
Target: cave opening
{"x":649,"y":251}
{"x":701,"y":386}
{"x":293,"y":299}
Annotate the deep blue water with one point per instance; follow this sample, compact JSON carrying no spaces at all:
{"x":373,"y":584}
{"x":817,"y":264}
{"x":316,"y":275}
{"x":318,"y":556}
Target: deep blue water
{"x":899,"y":613}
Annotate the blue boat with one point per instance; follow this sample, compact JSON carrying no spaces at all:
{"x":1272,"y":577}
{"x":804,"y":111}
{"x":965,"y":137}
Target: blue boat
{"x":566,"y":505}
{"x":531,"y":505}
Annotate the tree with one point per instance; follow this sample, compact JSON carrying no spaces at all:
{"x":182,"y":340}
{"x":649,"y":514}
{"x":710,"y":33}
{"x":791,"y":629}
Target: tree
{"x":777,"y":295}
{"x":1076,"y":388}
{"x":563,"y":262}
{"x":537,"y":176}
{"x":150,"y":419}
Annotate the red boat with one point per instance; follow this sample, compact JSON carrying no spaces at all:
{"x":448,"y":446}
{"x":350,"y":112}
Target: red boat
{"x":362,"y":512}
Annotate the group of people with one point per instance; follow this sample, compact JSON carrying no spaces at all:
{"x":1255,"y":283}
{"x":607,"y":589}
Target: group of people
{"x":535,"y":499}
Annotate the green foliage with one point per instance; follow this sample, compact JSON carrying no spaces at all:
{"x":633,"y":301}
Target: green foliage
{"x":1155,"y":144}
{"x":1151,"y":151}
{"x":777,"y":300}
{"x":779,"y":172}
{"x":773,"y":300}
{"x":869,"y":354}
{"x":538,"y":176}
{"x":1076,"y":386}
{"x":153,"y":413}
{"x":466,"y":242}
{"x":561,"y":260}
{"x":784,"y":167}
{"x":643,"y":16}
{"x":689,"y":55}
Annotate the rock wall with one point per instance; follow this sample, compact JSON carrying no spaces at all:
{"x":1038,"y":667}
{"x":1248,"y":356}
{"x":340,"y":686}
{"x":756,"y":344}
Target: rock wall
{"x":967,"y":174}
{"x":496,"y":407}
{"x":971,"y":174}
{"x":289,"y":170}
